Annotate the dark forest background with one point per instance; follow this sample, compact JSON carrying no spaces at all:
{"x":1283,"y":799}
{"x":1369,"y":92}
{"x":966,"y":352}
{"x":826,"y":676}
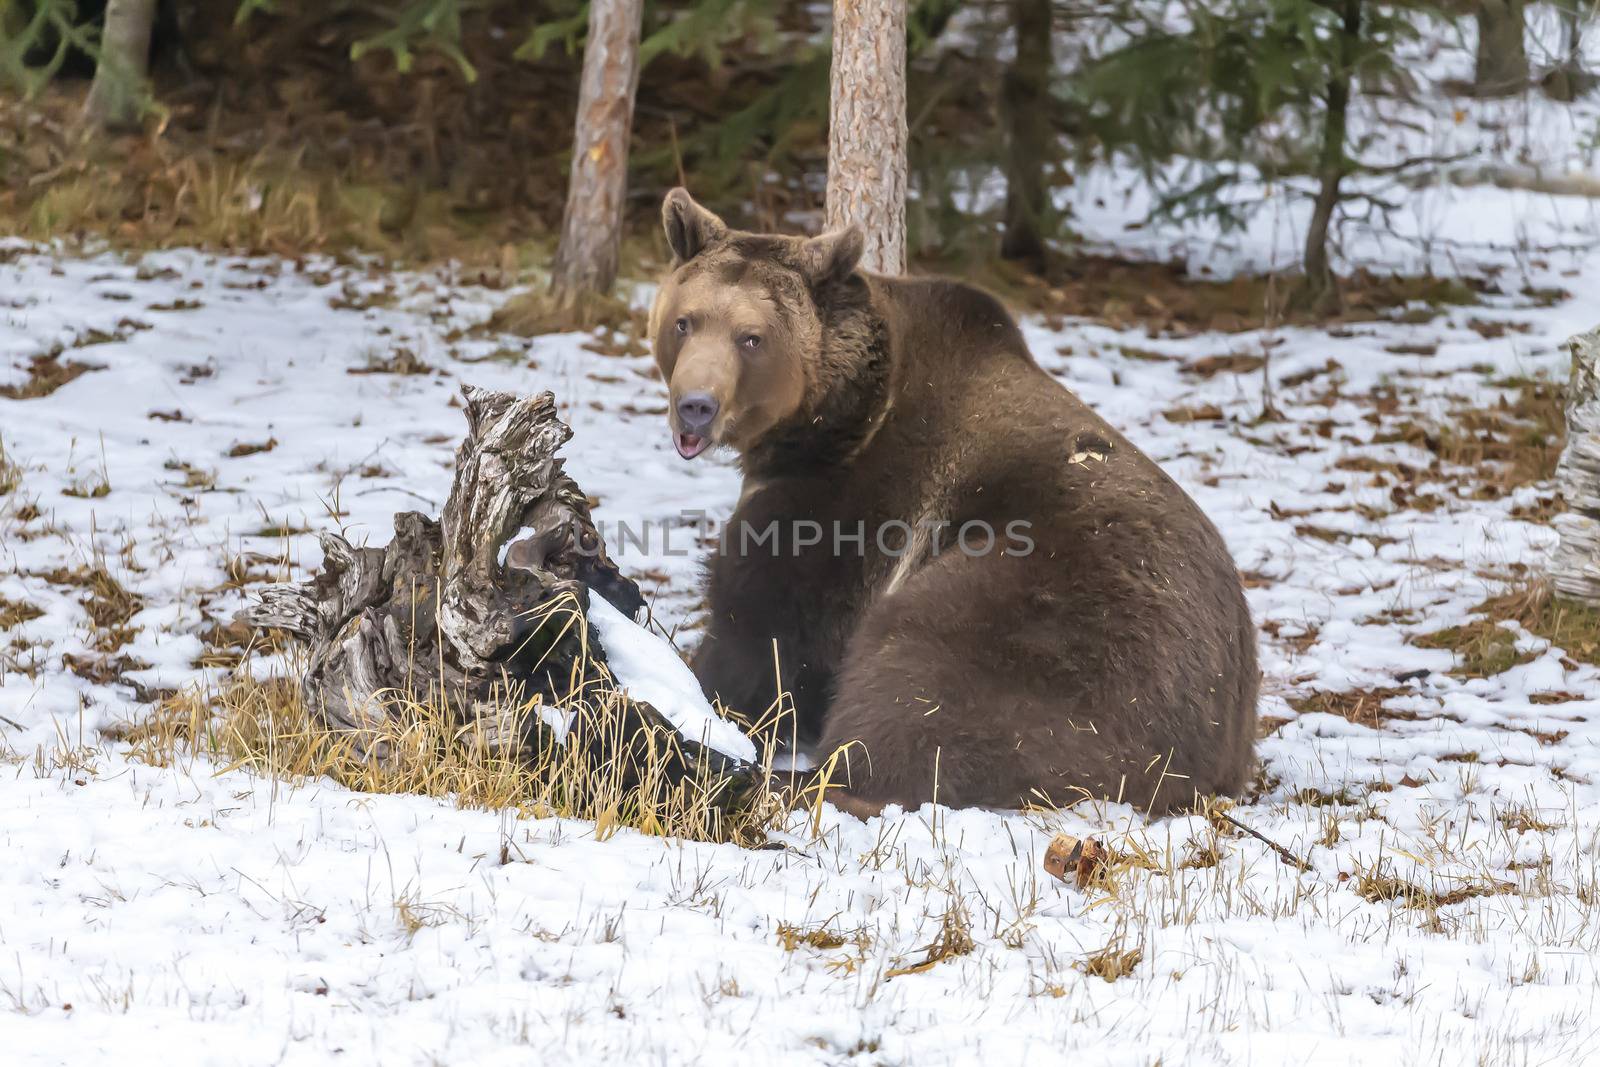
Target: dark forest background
{"x":424,"y":129}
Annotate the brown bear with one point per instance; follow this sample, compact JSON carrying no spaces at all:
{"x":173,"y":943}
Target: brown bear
{"x":953,"y":567}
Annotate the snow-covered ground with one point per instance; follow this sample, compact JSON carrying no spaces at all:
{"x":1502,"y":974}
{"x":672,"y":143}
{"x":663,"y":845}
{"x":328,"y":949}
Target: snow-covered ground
{"x":147,"y":912}
{"x":198,"y":914}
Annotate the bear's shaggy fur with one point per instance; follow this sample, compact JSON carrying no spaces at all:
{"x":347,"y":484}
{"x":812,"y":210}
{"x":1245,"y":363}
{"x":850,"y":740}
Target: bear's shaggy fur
{"x":1101,"y":649}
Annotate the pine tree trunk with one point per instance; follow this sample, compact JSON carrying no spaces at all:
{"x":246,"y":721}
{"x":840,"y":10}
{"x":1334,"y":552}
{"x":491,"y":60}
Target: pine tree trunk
{"x":1319,"y":283}
{"x":1575,"y":569}
{"x":591,"y":227}
{"x":119,"y":79}
{"x":867,"y":128}
{"x":1502,"y":67}
{"x":1024,"y":100}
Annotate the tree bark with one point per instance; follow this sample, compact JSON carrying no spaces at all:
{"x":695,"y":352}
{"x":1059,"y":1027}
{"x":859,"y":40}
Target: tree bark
{"x":1332,"y":164}
{"x":1575,"y":568}
{"x":1025,"y":103}
{"x":483,"y":613}
{"x":867,"y":128}
{"x":116,"y":97}
{"x":591,"y":226}
{"x":1502,"y":64}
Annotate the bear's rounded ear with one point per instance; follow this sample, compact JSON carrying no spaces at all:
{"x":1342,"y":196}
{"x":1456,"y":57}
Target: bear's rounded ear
{"x":833,"y":255}
{"x":690,"y":227}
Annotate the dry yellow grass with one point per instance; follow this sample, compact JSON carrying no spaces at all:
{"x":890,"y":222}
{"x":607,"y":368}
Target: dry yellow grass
{"x":1118,"y":958}
{"x":16,"y":612}
{"x":263,"y":203}
{"x":597,"y":774}
{"x":46,"y":374}
{"x":1379,"y":885}
{"x":10,"y":471}
{"x":538,"y":311}
{"x":1571,"y":626}
{"x":952,"y":939}
{"x":1489,"y":448}
{"x":1484,"y":647}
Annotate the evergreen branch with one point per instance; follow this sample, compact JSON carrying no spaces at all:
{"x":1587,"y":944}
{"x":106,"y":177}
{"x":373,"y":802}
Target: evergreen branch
{"x":1381,"y":169}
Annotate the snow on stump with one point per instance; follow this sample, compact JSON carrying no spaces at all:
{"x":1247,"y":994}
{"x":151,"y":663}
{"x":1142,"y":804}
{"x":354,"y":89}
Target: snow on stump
{"x":507,"y":616}
{"x":1575,"y":569}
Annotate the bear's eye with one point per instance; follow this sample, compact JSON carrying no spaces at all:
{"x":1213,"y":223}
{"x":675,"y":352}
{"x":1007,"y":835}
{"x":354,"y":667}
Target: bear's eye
{"x":683,"y":326}
{"x":750,"y":341}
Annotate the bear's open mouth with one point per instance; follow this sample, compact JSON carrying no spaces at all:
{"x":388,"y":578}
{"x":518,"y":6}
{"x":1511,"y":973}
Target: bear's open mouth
{"x":689,"y":445}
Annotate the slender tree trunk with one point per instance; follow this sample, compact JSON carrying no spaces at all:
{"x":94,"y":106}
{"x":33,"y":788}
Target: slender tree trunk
{"x":1332,"y":163}
{"x":867,"y":128}
{"x":1574,"y":13}
{"x":1024,"y":101}
{"x":1567,"y":80}
{"x":1575,"y":568}
{"x":1502,"y":67}
{"x":116,"y":96}
{"x":591,"y":227}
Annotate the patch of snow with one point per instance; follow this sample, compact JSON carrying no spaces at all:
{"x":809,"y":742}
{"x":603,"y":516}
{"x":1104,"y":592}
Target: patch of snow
{"x":524,"y":534}
{"x":648,"y":668}
{"x":558,"y":719}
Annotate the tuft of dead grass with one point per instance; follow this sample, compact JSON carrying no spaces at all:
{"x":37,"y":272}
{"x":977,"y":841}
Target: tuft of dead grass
{"x":399,"y":360}
{"x":1380,"y":885}
{"x":1494,"y":448}
{"x":266,"y":727}
{"x":10,"y":471}
{"x":1199,"y":413}
{"x":109,"y":604}
{"x":953,"y":939}
{"x":1571,"y":626}
{"x":102,"y":668}
{"x":1116,"y":959}
{"x":1364,"y":706}
{"x":90,"y":488}
{"x":264,"y":202}
{"x":240,"y":449}
{"x":1523,"y":433}
{"x":15,"y":613}
{"x":1485,"y":647}
{"x":1527,"y":820}
{"x":1560,"y":696}
{"x":1166,"y":298}
{"x":46,"y":374}
{"x":791,"y":937}
{"x":539,"y":311}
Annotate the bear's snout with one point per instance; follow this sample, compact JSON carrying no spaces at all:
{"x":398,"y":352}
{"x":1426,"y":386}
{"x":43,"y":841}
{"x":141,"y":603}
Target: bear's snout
{"x":697,"y":411}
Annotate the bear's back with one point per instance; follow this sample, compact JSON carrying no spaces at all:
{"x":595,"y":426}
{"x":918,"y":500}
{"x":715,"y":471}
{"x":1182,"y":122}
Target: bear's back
{"x":937,"y":320}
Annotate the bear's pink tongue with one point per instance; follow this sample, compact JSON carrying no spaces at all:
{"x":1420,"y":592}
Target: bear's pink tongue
{"x":689,"y":445}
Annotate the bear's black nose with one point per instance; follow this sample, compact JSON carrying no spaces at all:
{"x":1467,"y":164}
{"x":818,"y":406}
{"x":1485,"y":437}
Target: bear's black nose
{"x":696,"y":411}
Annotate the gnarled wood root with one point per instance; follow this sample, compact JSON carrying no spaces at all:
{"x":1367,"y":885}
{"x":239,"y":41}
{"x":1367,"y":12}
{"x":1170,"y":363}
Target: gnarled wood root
{"x":482,"y":613}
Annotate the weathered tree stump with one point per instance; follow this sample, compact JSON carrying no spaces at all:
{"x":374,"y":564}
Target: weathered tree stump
{"x":1575,"y":569}
{"x":483,"y":614}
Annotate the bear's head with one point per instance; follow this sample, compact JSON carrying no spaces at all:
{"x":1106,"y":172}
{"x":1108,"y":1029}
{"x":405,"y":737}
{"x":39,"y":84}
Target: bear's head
{"x":737,"y":325}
